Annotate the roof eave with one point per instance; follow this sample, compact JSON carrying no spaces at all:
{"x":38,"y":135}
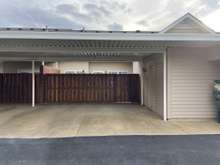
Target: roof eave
{"x":109,"y":36}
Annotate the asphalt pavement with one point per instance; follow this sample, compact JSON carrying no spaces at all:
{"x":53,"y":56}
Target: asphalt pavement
{"x":113,"y":150}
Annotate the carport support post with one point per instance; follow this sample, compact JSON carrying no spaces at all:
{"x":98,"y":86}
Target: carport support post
{"x":33,"y":84}
{"x":165,"y":85}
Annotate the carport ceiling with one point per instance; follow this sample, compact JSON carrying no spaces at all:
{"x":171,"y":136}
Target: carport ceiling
{"x":79,"y":45}
{"x":86,"y":48}
{"x":42,"y":48}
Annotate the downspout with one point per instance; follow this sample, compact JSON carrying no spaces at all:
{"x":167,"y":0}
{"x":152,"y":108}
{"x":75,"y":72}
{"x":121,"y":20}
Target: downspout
{"x":165,"y":85}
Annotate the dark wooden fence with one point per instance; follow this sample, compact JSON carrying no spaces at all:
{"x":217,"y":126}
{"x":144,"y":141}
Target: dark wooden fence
{"x":15,"y":88}
{"x":68,"y":88}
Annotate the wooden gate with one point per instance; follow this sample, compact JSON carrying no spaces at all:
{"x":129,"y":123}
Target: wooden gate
{"x":69,"y":88}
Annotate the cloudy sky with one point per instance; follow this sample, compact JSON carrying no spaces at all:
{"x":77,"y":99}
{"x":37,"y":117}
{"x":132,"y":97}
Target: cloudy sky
{"x":105,"y":14}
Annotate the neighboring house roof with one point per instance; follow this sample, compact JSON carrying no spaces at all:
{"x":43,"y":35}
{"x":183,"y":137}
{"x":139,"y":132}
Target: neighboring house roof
{"x":187,"y":24}
{"x":70,"y":30}
{"x":187,"y":28}
{"x":184,"y":24}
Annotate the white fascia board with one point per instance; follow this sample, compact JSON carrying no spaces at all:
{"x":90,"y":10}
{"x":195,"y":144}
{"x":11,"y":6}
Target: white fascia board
{"x":108,"y":36}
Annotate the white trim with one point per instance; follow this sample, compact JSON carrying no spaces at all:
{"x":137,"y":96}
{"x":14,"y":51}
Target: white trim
{"x":110,"y":36}
{"x":65,"y":58}
{"x":193,"y":18}
{"x":165,"y":86}
{"x":33,"y":84}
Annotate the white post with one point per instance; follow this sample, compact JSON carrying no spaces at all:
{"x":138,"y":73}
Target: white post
{"x":165,"y":86}
{"x":142,"y":83}
{"x":33,"y":84}
{"x":137,"y":69}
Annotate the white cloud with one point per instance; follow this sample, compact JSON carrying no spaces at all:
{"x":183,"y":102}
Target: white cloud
{"x":106,"y":14}
{"x":212,"y":20}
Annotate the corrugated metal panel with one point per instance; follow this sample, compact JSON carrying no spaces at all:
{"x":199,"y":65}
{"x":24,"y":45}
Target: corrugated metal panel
{"x":190,"y":83}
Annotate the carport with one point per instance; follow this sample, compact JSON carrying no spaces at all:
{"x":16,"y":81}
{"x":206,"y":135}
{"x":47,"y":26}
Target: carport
{"x":152,"y":50}
{"x":62,"y":45}
{"x":177,"y":64}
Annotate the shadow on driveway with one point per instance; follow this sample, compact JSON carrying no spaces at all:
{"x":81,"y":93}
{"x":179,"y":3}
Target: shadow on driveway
{"x":113,"y":150}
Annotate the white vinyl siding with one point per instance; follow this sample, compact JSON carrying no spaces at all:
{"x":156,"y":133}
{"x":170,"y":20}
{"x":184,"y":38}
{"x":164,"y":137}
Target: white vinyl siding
{"x":187,"y":26}
{"x":190,"y":83}
{"x":153,"y":83}
{"x":81,"y":66}
{"x":111,"y":67}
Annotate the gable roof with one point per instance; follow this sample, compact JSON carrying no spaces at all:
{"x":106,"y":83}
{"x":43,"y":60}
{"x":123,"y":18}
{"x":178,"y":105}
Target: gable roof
{"x":187,"y":24}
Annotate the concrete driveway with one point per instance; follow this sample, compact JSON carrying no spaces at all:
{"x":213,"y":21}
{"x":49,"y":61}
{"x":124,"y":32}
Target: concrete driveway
{"x":22,"y":121}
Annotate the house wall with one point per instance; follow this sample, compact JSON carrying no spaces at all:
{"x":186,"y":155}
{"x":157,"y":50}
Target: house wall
{"x":73,"y":65}
{"x":16,"y":67}
{"x":190,"y":82}
{"x":53,"y":64}
{"x":111,"y":66}
{"x":153,"y":83}
{"x":87,"y":67}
